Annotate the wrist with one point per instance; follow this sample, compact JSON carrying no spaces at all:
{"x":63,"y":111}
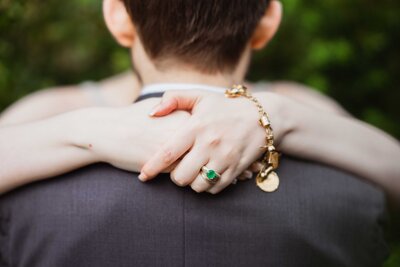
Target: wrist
{"x":281,"y":113}
{"x":84,"y":128}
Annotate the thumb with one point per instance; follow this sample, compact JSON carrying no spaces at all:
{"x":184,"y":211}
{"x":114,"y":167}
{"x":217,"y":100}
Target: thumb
{"x":176,"y":100}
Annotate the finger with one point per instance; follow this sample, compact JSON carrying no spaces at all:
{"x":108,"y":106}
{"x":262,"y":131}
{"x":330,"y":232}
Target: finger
{"x":225,"y":180}
{"x":164,"y":108}
{"x":200,"y":184}
{"x":241,"y":177}
{"x":246,"y":175}
{"x":168,"y":154}
{"x":244,"y":169}
{"x":175,"y":100}
{"x":189,"y":167}
{"x":232,"y":172}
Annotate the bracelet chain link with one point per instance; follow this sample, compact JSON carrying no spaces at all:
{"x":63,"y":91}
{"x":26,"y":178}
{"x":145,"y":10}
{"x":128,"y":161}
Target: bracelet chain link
{"x":267,"y":179}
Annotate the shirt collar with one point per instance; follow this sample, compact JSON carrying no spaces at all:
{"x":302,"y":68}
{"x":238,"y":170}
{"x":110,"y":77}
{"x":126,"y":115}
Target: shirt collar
{"x":162,"y":87}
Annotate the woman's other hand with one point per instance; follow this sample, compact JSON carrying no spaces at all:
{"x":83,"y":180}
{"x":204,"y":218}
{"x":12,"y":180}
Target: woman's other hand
{"x":222,"y":134}
{"x":110,"y":132}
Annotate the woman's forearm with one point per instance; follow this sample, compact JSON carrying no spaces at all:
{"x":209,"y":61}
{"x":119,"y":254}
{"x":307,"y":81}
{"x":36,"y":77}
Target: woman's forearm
{"x":347,"y":143}
{"x":38,"y":150}
{"x":124,"y":137}
{"x":340,"y":141}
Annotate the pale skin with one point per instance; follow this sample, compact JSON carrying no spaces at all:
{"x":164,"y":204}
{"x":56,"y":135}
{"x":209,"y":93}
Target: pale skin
{"x":115,"y":135}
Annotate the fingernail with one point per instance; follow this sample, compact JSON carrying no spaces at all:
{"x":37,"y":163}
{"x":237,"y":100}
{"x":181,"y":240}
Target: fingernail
{"x":154,"y":110}
{"x":142,"y":177}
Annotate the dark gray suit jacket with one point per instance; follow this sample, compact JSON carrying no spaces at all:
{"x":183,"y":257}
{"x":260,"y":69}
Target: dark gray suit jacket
{"x":101,"y":216}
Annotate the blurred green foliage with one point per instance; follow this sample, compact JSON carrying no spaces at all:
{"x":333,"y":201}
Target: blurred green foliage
{"x":346,"y":49}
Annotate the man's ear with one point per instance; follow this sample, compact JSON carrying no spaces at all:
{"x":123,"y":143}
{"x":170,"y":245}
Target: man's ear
{"x":119,"y":22}
{"x":268,"y":25}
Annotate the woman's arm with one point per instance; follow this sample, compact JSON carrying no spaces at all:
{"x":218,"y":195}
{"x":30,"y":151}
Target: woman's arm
{"x":34,"y":151}
{"x":307,"y":96}
{"x":42,"y":149}
{"x":300,"y":131}
{"x":344,"y":142}
{"x":119,"y":90}
{"x":43,"y":104}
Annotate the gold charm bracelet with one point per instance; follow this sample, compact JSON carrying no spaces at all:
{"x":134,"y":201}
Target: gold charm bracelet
{"x":266,"y":179}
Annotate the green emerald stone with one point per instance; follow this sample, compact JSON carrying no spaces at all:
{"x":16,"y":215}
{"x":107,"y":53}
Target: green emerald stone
{"x":211,"y":174}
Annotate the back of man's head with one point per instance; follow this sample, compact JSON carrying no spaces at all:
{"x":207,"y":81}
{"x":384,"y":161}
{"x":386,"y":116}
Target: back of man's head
{"x":211,"y":35}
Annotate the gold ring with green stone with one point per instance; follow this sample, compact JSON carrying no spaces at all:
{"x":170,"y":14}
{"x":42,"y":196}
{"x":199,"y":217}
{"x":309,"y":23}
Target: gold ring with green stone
{"x":210,"y":175}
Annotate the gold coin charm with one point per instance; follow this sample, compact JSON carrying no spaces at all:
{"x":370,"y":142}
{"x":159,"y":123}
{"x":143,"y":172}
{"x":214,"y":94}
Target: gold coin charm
{"x":268,"y":184}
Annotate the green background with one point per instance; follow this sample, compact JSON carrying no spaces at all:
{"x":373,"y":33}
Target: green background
{"x":346,"y":49}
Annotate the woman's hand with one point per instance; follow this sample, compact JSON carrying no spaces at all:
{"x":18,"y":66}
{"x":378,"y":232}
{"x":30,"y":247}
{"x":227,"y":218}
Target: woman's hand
{"x":222,"y":134}
{"x":127,"y":137}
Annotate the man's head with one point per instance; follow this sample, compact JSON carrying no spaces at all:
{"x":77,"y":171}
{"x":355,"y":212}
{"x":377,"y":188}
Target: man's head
{"x":210,"y":36}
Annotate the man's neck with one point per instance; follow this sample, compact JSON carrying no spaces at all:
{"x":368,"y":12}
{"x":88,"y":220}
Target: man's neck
{"x":175,"y":71}
{"x":190,"y":77}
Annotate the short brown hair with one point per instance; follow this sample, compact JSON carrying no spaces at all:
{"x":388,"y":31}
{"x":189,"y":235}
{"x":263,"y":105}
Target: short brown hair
{"x":210,"y":34}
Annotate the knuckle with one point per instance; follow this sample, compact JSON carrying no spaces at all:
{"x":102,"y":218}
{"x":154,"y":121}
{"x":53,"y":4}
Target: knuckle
{"x":214,"y":141}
